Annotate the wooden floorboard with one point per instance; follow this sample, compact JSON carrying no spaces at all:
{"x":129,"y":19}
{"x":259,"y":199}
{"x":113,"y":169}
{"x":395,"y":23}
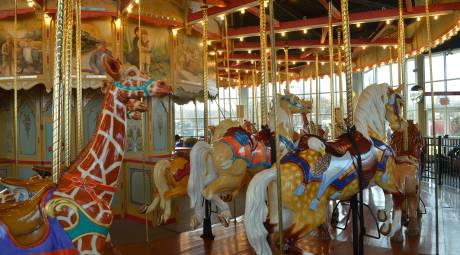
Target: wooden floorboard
{"x":232,"y":240}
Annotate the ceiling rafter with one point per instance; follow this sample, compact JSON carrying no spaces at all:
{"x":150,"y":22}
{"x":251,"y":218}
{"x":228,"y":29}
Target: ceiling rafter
{"x":335,"y":12}
{"x":357,"y":17}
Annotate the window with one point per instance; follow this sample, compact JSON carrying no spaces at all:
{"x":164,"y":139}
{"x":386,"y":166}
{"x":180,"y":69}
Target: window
{"x":446,"y":85}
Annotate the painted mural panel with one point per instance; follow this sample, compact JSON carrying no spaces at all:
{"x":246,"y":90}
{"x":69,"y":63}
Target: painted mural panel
{"x":91,"y":5}
{"x":134,"y":136}
{"x":91,"y":106}
{"x":160,"y":124}
{"x":152,"y":44}
{"x":189,"y":71}
{"x":30,"y":46}
{"x":27,"y":127}
{"x":97,"y":41}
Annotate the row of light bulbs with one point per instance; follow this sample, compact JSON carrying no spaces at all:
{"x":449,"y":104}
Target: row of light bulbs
{"x":452,"y":32}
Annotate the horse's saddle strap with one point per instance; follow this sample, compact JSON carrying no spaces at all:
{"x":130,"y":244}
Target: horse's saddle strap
{"x":342,"y":144}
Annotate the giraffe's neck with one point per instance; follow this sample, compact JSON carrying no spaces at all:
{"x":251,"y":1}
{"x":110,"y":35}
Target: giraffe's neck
{"x":91,"y":180}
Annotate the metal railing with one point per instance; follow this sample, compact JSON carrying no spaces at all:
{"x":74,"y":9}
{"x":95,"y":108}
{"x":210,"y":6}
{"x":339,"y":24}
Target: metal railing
{"x":446,"y":152}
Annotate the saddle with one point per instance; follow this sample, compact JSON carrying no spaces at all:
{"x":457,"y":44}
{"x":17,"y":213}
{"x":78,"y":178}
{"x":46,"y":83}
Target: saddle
{"x":32,"y":184}
{"x":342,"y":144}
{"x":24,"y":220}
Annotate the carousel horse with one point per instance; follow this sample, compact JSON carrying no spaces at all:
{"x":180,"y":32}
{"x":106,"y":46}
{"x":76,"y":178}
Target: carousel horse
{"x":74,"y":216}
{"x":222,"y":166}
{"x":407,"y":200}
{"x":310,"y":180}
{"x":170,"y":177}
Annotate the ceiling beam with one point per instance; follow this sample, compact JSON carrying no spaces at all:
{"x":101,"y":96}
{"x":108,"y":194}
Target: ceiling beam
{"x":280,"y":57}
{"x":311,"y":44}
{"x":324,"y":35}
{"x":255,"y":11}
{"x":232,"y":6}
{"x":357,"y":17}
{"x":335,"y":12}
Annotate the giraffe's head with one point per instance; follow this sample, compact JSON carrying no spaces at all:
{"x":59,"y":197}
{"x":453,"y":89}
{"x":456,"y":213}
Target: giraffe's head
{"x":131,"y":85}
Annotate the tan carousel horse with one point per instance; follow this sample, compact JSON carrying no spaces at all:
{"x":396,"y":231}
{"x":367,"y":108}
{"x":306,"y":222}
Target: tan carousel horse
{"x":221,"y":167}
{"x":310,"y":180}
{"x":170,"y":177}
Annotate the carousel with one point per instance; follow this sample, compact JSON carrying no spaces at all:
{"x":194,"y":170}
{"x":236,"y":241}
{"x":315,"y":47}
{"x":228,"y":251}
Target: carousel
{"x":228,"y":127}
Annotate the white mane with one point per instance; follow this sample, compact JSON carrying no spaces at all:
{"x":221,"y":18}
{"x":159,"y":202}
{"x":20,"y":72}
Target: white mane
{"x":370,"y":109}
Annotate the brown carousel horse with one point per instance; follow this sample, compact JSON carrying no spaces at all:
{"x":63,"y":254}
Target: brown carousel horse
{"x":310,"y":180}
{"x":221,"y":167}
{"x":407,"y":200}
{"x":74,"y":217}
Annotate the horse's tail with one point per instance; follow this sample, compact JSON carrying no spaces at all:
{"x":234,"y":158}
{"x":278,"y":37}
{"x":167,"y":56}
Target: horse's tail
{"x":256,"y":211}
{"x":160,"y":186}
{"x":200,"y":166}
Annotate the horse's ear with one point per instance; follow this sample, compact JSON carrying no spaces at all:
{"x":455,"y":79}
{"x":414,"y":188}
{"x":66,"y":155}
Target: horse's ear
{"x":112,"y":67}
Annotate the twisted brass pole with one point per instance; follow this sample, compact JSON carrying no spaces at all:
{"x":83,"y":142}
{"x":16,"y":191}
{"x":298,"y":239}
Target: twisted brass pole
{"x":286,"y":64}
{"x":79,"y":110}
{"x":348,"y":62}
{"x":57,"y":92}
{"x":402,"y":69}
{"x":317,"y":92}
{"x":204,"y":9}
{"x":263,"y":64}
{"x":276,"y":121}
{"x":227,"y":53}
{"x":331,"y":69}
{"x":68,"y":56}
{"x":339,"y":57}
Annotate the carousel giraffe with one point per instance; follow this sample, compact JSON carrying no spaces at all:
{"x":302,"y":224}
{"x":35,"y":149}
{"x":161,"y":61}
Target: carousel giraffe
{"x":78,"y":215}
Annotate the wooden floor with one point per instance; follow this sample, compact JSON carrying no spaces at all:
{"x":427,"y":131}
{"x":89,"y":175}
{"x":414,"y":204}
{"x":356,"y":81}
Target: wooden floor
{"x":233,"y":240}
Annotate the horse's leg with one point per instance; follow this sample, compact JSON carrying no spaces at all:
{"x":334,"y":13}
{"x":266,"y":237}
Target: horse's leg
{"x":228,"y":180}
{"x":224,"y":215}
{"x":412,"y":201}
{"x":383,"y":215}
{"x":177,"y":191}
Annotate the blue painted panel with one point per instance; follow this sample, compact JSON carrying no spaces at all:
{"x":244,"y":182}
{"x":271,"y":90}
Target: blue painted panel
{"x":90,"y":114}
{"x":136,"y":186}
{"x":160,"y":124}
{"x":27,"y":130}
{"x":25,"y":172}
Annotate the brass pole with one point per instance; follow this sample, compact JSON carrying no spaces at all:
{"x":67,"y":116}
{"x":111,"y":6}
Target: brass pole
{"x":402,"y":69}
{"x":227,"y":53}
{"x":433,"y":127}
{"x":57,"y":92}
{"x":254,"y":97}
{"x":286,"y":63}
{"x":276,"y":120}
{"x":391,"y":67}
{"x":348,"y":62}
{"x":204,"y":9}
{"x":339,"y":53}
{"x":311,"y":100}
{"x":263,"y":64}
{"x":79,"y":106}
{"x":68,"y":33}
{"x":15,"y":86}
{"x":317,"y":92}
{"x":331,"y":69}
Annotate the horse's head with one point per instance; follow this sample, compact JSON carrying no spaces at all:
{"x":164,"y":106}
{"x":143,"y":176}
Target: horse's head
{"x":295,"y":104}
{"x":393,"y":110}
{"x":129,"y":85}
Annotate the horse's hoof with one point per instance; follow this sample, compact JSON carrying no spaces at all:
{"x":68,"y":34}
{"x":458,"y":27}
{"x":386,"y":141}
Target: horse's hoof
{"x":397,"y":237}
{"x":223,"y":220}
{"x":385,"y":229}
{"x":195,"y":222}
{"x":382,"y":215}
{"x":143,"y":209}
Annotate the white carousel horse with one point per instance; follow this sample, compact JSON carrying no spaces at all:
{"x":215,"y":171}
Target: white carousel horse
{"x":310,"y":180}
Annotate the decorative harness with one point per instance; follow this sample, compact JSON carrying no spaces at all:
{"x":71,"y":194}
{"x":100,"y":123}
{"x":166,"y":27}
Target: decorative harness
{"x":137,"y":88}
